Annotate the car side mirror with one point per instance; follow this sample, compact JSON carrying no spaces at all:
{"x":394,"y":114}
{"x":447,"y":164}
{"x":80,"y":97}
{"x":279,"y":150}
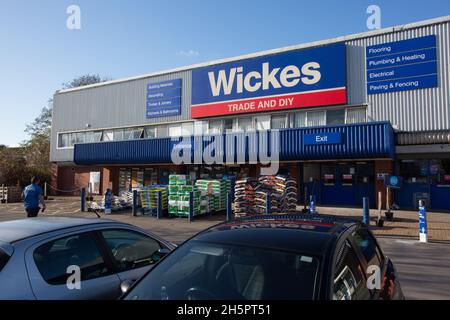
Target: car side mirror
{"x":163,"y":251}
{"x":126,"y":285}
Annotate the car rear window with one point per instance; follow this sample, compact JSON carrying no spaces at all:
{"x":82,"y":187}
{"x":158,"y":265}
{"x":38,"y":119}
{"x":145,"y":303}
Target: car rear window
{"x":3,"y":259}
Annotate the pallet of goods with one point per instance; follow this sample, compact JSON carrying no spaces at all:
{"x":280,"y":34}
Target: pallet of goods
{"x":217,"y":190}
{"x":251,"y":195}
{"x":149,"y":197}
{"x":244,"y":196}
{"x":12,"y":194}
{"x":180,"y":186}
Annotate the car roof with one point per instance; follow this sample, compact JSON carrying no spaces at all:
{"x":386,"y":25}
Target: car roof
{"x":291,"y":232}
{"x":15,"y":230}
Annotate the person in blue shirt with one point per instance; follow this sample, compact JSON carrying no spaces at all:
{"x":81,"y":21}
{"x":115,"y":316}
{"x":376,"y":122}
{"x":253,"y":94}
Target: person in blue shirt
{"x":32,"y":197}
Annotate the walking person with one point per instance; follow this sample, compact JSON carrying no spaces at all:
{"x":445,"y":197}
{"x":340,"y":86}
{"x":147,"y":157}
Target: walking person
{"x":32,"y":197}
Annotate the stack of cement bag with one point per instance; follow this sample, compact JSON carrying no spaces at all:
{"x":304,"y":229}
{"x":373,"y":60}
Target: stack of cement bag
{"x":251,"y":196}
{"x":244,"y":196}
{"x":283,"y":192}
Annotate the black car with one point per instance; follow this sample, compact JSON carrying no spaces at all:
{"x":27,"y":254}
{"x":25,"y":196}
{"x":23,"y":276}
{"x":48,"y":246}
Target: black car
{"x":274,"y":257}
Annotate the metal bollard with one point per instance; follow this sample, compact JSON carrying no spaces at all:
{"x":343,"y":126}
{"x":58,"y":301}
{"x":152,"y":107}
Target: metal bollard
{"x":268,"y":204}
{"x":135,"y":202}
{"x":45,"y":190}
{"x":191,"y":206}
{"x":366,"y":212}
{"x":229,"y":202}
{"x":159,"y":213}
{"x":423,"y":232}
{"x":312,"y":204}
{"x":83,"y":199}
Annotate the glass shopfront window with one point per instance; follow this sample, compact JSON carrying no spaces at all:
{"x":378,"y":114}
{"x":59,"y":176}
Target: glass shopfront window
{"x":414,"y":171}
{"x":228,"y":125}
{"x":315,"y":118}
{"x":335,"y":117}
{"x":328,"y":174}
{"x":347,"y":172}
{"x":150,"y":132}
{"x":300,"y":119}
{"x":440,"y":171}
{"x":279,"y":122}
{"x":356,"y":115}
{"x":245,"y":124}
{"x":262,"y":122}
{"x":215,"y":126}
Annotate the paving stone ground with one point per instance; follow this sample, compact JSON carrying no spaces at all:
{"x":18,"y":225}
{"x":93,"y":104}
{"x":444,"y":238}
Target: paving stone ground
{"x":405,"y":224}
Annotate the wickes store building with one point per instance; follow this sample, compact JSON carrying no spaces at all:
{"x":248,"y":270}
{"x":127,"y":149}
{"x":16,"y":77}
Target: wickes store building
{"x":347,"y":112}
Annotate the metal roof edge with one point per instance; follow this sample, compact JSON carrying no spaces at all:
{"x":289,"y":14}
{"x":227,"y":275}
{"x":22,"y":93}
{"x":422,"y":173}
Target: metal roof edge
{"x":355,"y":36}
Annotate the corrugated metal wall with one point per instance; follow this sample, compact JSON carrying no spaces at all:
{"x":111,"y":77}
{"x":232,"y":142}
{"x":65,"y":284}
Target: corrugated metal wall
{"x":123,"y":104}
{"x":413,"y":110}
{"x":115,"y":105}
{"x":359,"y":141}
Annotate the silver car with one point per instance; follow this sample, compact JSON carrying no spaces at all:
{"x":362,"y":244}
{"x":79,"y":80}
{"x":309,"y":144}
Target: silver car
{"x":73,"y":258}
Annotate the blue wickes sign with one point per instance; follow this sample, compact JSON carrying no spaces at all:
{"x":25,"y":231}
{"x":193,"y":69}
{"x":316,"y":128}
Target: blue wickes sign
{"x":288,"y":80}
{"x":322,"y":138}
{"x":402,"y":65}
{"x":164,"y":99}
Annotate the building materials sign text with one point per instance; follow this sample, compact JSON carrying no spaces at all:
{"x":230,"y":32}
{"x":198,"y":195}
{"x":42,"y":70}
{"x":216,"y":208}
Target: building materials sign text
{"x":164,"y":99}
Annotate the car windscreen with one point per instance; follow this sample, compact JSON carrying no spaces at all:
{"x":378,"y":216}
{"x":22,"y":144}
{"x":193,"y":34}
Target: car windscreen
{"x":209,"y":271}
{"x":3,"y":259}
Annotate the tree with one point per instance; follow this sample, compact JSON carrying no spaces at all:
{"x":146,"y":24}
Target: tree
{"x":32,"y":157}
{"x":84,"y":81}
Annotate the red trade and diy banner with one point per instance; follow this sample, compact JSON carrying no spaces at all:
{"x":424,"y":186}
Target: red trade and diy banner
{"x":289,"y":80}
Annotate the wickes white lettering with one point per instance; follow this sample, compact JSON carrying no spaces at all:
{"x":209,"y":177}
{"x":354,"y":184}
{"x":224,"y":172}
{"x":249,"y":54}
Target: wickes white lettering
{"x":268,"y":78}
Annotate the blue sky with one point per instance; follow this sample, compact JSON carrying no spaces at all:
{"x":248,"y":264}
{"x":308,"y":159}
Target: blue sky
{"x":124,"y":38}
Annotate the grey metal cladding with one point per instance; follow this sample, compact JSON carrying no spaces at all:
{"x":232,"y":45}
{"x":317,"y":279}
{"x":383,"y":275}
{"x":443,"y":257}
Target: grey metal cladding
{"x":413,"y":110}
{"x":113,"y":105}
{"x":123,"y":103}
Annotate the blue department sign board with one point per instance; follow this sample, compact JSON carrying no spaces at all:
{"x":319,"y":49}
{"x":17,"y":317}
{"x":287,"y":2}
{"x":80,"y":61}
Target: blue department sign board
{"x":402,"y":65}
{"x":164,"y":99}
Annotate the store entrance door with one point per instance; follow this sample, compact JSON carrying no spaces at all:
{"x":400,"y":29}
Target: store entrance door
{"x":340,"y":184}
{"x":365,"y":183}
{"x":440,"y":184}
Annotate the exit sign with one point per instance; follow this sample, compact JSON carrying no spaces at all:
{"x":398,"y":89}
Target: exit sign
{"x":322,"y":138}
